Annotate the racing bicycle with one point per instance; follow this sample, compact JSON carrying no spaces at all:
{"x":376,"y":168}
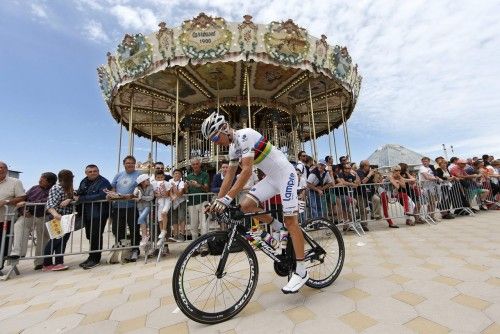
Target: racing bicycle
{"x":216,"y":275}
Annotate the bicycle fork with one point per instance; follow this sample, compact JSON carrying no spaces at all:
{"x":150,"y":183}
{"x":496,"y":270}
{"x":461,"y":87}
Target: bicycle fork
{"x":225,"y":253}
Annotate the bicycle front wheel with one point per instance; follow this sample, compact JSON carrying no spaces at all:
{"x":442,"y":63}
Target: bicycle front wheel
{"x":199,"y":293}
{"x":324,"y":268}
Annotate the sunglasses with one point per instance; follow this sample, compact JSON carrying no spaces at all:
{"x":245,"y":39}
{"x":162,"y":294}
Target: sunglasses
{"x":215,"y":138}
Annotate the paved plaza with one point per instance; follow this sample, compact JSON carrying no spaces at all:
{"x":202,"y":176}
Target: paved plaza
{"x":423,"y":279}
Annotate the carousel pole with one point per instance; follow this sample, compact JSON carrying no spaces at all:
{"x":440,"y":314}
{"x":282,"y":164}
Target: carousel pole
{"x":310,"y":132}
{"x":301,"y":131}
{"x":130,"y":125}
{"x":348,"y":141}
{"x":275,"y":134}
{"x":328,"y":120}
{"x":217,"y":146}
{"x":176,"y":120}
{"x":335,"y":146}
{"x":313,"y":124}
{"x":293,"y":147}
{"x":172,"y":140}
{"x":151,"y":150}
{"x":248,"y":97}
{"x":156,"y":151}
{"x":344,"y":129}
{"x":120,"y":144}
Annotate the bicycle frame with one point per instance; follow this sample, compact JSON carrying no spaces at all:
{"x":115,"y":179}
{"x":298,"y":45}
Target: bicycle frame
{"x":266,"y":249}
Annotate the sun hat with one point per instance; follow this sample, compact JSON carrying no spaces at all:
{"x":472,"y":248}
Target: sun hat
{"x":141,"y":178}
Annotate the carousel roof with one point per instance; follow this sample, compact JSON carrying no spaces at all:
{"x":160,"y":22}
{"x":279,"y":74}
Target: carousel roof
{"x":208,"y":58}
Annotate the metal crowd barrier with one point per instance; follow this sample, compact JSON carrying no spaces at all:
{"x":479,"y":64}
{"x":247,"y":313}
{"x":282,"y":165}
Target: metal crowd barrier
{"x":493,"y":197}
{"x":6,"y":223}
{"x":420,"y":202}
{"x":351,"y":208}
{"x":27,"y":236}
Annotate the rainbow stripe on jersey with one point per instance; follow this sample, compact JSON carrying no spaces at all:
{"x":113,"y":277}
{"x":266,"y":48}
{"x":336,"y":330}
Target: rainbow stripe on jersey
{"x":261,"y":149}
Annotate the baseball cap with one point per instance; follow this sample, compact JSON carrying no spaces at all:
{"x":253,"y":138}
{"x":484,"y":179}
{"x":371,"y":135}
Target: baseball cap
{"x":141,"y":178}
{"x":322,"y":162}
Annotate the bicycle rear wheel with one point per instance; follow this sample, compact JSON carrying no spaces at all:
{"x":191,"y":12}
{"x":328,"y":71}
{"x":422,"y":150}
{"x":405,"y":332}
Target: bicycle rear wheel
{"x":324,"y":268}
{"x":199,"y":293}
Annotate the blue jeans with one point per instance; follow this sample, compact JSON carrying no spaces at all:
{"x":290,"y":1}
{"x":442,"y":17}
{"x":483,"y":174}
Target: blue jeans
{"x":315,"y":204}
{"x":143,"y":215}
{"x":55,"y":246}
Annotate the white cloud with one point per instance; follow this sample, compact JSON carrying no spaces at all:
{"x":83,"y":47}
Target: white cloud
{"x":39,"y":11}
{"x":135,"y":18}
{"x":430,"y":68}
{"x":89,"y":4}
{"x":93,"y":30}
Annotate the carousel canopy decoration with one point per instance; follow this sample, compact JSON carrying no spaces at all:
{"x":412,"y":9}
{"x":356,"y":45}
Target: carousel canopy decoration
{"x":208,"y":61}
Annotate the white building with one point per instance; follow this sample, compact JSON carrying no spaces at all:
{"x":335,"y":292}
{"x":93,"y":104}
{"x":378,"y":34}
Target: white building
{"x":390,"y":155}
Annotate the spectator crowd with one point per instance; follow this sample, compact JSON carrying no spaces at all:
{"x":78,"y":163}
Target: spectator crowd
{"x":155,"y":208}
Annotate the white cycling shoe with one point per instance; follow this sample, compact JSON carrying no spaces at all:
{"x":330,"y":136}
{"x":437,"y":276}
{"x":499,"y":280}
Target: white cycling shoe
{"x":295,"y":283}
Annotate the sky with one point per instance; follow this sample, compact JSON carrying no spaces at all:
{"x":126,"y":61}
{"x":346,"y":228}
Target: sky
{"x":430,"y":74}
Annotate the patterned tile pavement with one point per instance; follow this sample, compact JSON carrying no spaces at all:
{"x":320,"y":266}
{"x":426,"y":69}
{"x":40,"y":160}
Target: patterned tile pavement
{"x":423,"y":279}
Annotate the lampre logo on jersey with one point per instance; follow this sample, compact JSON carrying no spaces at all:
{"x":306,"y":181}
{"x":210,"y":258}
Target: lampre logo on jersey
{"x":289,"y":187}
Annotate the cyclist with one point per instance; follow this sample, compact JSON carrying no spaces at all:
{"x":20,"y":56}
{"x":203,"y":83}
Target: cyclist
{"x":248,"y":147}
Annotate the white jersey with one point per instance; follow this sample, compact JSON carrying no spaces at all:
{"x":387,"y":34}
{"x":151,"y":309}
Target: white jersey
{"x":281,"y":177}
{"x":249,"y":143}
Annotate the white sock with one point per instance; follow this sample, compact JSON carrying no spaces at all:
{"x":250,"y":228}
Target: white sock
{"x":162,"y":234}
{"x":301,"y":268}
{"x":276,"y":225}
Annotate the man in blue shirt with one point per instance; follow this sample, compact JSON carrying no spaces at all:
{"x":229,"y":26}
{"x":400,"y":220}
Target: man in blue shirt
{"x":93,"y":212}
{"x":124,"y":209}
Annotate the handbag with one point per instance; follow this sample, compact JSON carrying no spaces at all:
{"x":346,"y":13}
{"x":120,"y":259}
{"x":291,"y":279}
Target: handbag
{"x":396,"y":210}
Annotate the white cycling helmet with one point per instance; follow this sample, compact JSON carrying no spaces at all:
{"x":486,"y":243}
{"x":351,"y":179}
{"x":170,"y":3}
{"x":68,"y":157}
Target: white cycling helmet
{"x":212,"y":124}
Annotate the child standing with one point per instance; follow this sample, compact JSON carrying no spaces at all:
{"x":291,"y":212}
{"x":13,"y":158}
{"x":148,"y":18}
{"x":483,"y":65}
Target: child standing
{"x":179,"y":207}
{"x":143,"y":194}
{"x":162,"y":194}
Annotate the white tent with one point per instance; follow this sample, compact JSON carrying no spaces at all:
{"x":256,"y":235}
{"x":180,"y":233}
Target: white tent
{"x":391,"y":154}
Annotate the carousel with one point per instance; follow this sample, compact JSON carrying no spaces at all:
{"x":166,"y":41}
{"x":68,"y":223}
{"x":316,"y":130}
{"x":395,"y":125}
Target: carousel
{"x":276,"y":78}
